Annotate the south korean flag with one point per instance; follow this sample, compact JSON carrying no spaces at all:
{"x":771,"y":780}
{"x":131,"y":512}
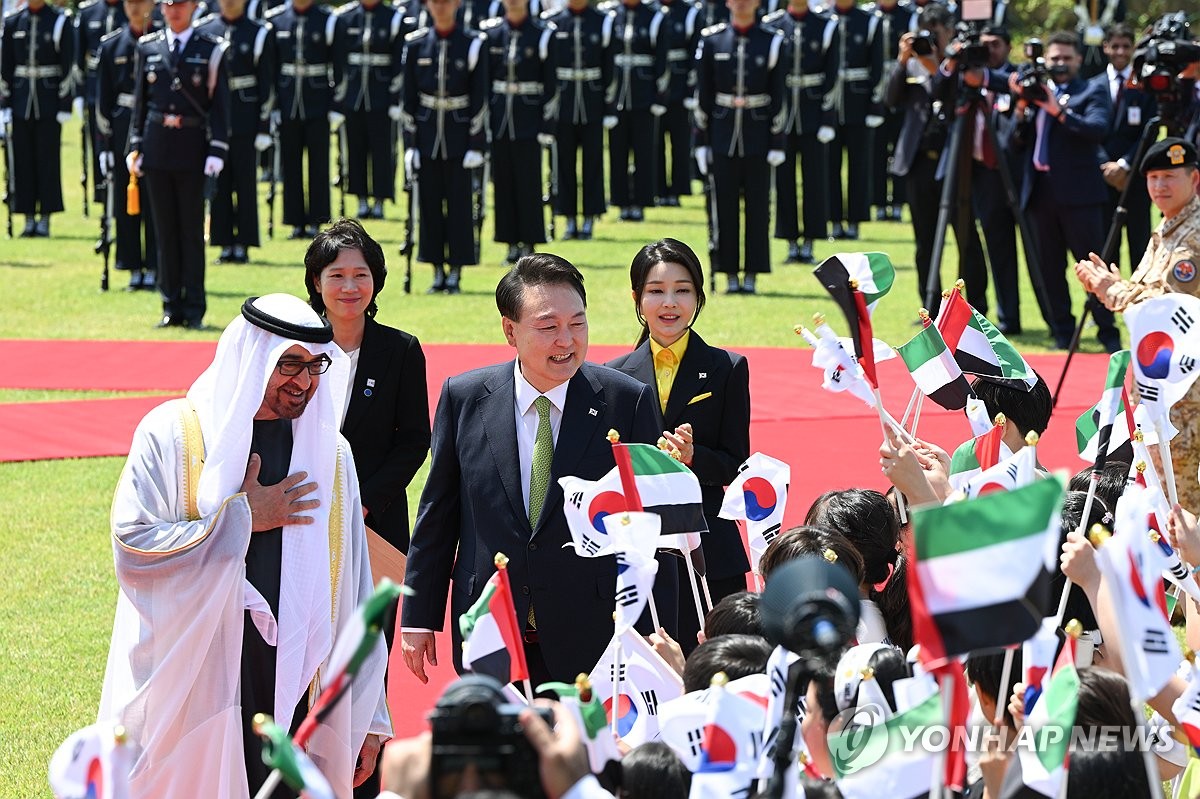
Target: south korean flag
{"x":1165,"y":341}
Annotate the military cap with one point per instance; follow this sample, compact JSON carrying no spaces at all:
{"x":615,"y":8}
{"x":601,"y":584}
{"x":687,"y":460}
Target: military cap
{"x":1170,"y":153}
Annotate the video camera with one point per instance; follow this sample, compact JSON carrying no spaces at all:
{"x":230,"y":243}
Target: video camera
{"x":474,"y":725}
{"x":1033,"y":76}
{"x":1159,"y":57}
{"x":966,"y":49}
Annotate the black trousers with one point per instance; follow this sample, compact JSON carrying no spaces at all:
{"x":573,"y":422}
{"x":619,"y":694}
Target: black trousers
{"x":369,"y":136}
{"x":1137,"y":220}
{"x":811,"y":155}
{"x":886,"y":189}
{"x":633,"y":135}
{"x":1000,"y":234}
{"x":675,"y":126}
{"x":178,"y":201}
{"x":588,"y":141}
{"x":236,"y":222}
{"x":737,"y":178}
{"x":1058,"y":228}
{"x":296,"y":137}
{"x":924,"y":193}
{"x":37,"y":165}
{"x":856,"y":141}
{"x":447,"y":234}
{"x":129,"y":229}
{"x":517,"y":191}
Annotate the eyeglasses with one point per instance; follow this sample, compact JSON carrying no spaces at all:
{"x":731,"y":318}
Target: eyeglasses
{"x":292,"y":368}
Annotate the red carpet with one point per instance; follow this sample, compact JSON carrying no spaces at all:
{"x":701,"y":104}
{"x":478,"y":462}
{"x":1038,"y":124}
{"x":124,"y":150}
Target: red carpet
{"x":830,"y":440}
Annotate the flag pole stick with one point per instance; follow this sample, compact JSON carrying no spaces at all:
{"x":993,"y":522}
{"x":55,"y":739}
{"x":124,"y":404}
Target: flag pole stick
{"x":909,"y":407}
{"x":939,"y":763}
{"x":917,"y":415}
{"x":615,"y":704}
{"x":1164,"y":451}
{"x":528,"y":690}
{"x":1002,"y":692}
{"x":691,"y":573}
{"x":269,"y":786}
{"x":653,"y":611}
{"x":1081,"y":530}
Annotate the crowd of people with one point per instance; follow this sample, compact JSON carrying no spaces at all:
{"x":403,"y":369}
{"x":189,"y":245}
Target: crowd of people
{"x":757,"y":100}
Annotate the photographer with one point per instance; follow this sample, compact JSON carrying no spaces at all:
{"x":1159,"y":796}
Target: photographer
{"x":1063,"y":191}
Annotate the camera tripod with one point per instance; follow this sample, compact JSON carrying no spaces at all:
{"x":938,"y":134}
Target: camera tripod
{"x":956,"y":191}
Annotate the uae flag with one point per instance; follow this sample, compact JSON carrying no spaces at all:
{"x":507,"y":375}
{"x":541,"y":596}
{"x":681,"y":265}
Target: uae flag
{"x":585,"y":707}
{"x":1040,"y":770}
{"x":978,"y":346}
{"x":1120,"y":448}
{"x":874,"y":761}
{"x":872,"y":271}
{"x":1110,"y":407}
{"x":848,"y":293}
{"x":491,"y":639}
{"x":934,"y":370}
{"x":974,"y":456}
{"x":982,"y":568}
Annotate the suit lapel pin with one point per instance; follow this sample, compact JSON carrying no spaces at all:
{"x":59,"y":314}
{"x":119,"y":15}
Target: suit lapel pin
{"x":371,"y":382}
{"x":703,"y":375}
{"x":592,"y":412}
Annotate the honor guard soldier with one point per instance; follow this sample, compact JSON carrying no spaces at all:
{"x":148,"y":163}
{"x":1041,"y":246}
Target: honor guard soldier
{"x":583,"y":41}
{"x":1093,"y":18}
{"x":115,"y":79}
{"x":94,"y":19}
{"x":860,"y":68}
{"x":445,"y":105}
{"x":370,"y":46}
{"x":250,"y":65}
{"x":681,"y":27}
{"x":712,"y":12}
{"x":308,"y":71}
{"x":741,"y":84}
{"x":36,"y":57}
{"x":809,"y":58}
{"x":522,"y":110}
{"x":179,"y":137}
{"x":887,"y":193}
{"x":635,"y":97}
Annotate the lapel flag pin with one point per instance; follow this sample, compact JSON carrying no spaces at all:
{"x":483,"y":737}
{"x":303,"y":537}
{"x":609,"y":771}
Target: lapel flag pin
{"x":703,"y":375}
{"x":371,"y":382}
{"x":591,"y":411}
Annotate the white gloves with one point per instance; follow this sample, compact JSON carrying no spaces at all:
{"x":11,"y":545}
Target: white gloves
{"x":213,"y":166}
{"x":133,"y":162}
{"x":395,"y":112}
{"x":77,"y":106}
{"x":691,"y":103}
{"x":776,"y":157}
{"x":5,"y":116}
{"x":276,"y":118}
{"x":703,"y":156}
{"x":545,"y":139}
{"x":262,"y":142}
{"x":825,"y":134}
{"x":106,"y":162}
{"x":412,"y":161}
{"x":472,"y":159}
{"x":658,"y":110}
{"x":63,"y":117}
{"x":336,"y":119}
{"x":874,"y":120}
{"x":610,"y":122}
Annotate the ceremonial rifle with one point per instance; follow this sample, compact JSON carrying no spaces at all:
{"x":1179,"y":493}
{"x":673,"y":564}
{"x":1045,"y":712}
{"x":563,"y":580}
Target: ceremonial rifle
{"x":479,"y":200}
{"x":104,"y":245}
{"x":341,"y":167}
{"x":714,"y":233}
{"x":274,"y":178}
{"x":412,"y":188}
{"x":84,"y":131}
{"x":10,"y":192}
{"x":551,"y":197}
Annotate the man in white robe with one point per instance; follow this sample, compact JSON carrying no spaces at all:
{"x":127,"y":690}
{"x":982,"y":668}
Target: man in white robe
{"x":190,"y":512}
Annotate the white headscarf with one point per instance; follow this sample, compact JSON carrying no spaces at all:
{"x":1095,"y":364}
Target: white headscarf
{"x":226,"y":397}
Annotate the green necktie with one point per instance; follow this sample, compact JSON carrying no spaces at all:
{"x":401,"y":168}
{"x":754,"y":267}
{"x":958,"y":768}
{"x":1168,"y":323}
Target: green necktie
{"x":543,"y":454}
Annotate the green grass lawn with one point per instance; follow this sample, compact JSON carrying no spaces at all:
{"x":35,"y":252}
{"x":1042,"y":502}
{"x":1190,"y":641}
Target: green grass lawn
{"x":56,"y":609}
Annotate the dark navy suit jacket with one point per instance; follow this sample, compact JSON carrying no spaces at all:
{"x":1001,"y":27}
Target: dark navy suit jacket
{"x":1073,"y":150}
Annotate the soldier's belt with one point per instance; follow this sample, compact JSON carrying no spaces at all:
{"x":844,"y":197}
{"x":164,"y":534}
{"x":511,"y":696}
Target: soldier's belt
{"x":48,"y":71}
{"x":743,"y":100}
{"x":454,"y":103}
{"x":634,"y":60}
{"x":176,"y":121}
{"x":303,"y":70}
{"x":125,"y":100}
{"x":524,"y":87}
{"x":679,"y":54}
{"x":805,"y":81}
{"x":370,"y":59}
{"x":566,"y":73}
{"x":243,"y":82}
{"x":858,"y":73}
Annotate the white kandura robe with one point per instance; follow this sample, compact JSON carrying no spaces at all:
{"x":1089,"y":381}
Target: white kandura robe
{"x":174,"y":662}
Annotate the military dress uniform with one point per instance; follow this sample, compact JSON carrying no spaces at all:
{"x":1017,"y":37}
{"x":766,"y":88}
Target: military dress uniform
{"x":860,"y":68}
{"x":370,"y":47}
{"x":445,"y":87}
{"x":887,"y":193}
{"x":115,"y":80}
{"x":583,"y":44}
{"x":180,"y":119}
{"x":638,"y":82}
{"x":810,"y":62}
{"x":36,"y":56}
{"x":522,"y":105}
{"x":94,"y":19}
{"x":307,"y":72}
{"x":250,"y":65}
{"x":1092,"y":19}
{"x":741,"y":85}
{"x":681,"y":26}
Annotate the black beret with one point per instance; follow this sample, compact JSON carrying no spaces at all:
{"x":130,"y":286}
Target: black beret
{"x":1170,"y":153}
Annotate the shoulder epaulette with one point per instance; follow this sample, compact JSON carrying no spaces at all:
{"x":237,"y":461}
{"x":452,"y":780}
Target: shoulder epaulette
{"x":342,"y":9}
{"x":111,"y":34}
{"x":153,"y":36}
{"x":774,"y":15}
{"x":204,"y":20}
{"x":711,"y":29}
{"x":211,"y":38}
{"x":415,"y":35}
{"x":607,"y":5}
{"x":488,"y":24}
{"x":276,"y":11}
{"x":86,"y":4}
{"x":549,"y":15}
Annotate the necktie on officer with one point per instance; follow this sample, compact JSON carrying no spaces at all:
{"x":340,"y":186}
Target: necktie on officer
{"x":176,"y":47}
{"x":543,"y":455}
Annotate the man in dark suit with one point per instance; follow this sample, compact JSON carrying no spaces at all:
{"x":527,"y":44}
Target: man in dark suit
{"x":1063,"y":191}
{"x":1132,"y":109}
{"x":481,"y":496}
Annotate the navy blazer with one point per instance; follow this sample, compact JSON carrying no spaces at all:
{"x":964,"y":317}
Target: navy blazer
{"x":387,"y":425}
{"x":711,"y":391}
{"x":1073,"y":151}
{"x":473,"y":506}
{"x":1121,"y":139}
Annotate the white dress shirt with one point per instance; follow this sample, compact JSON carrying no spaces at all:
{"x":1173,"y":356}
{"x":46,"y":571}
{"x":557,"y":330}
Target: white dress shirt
{"x":182,"y":37}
